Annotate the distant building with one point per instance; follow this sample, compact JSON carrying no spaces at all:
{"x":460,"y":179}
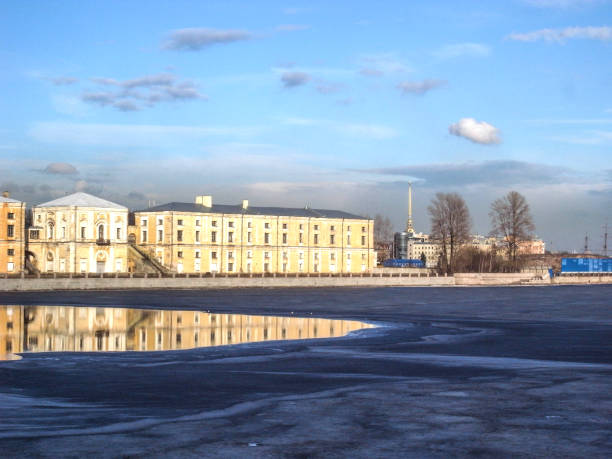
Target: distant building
{"x":12,"y":234}
{"x":203,"y":237}
{"x":79,"y":233}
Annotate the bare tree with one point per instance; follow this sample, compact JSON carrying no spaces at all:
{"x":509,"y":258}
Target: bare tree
{"x":511,"y":219}
{"x":383,"y":230}
{"x":450,"y":224}
{"x":383,"y":237}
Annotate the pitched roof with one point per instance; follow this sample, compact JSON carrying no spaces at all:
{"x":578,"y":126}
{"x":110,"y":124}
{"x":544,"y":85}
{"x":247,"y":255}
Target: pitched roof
{"x":3,"y":199}
{"x":237,"y":209}
{"x":81,"y":199}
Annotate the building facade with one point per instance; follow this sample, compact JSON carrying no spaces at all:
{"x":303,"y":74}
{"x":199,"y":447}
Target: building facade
{"x":202,"y":237}
{"x":12,"y":235}
{"x":79,"y":233}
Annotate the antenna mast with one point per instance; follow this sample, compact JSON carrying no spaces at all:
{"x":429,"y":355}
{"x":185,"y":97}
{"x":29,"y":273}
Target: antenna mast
{"x":605,"y":246}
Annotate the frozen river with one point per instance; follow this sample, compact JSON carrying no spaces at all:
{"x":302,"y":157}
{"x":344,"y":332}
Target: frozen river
{"x":432,"y":372}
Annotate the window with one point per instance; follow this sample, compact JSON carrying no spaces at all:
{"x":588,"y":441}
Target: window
{"x":348,"y":228}
{"x":363,"y":240}
{"x":10,"y":266}
{"x":83,"y":232}
{"x":213,"y":236}
{"x":180,"y":222}
{"x":118,"y":233}
{"x":230,"y":255}
{"x":101,"y":232}
{"x":301,"y":238}
{"x":213,"y":255}
{"x":348,"y":239}
{"x":63,"y":231}
{"x":197,"y":222}
{"x":266,"y":254}
{"x":284,"y":226}
{"x":301,"y":226}
{"x":160,"y":221}
{"x":10,"y":252}
{"x":179,"y":254}
{"x":285,"y":255}
{"x":284,"y":238}
{"x":230,"y":267}
{"x":214,"y":223}
{"x":34,"y":234}
{"x":230,"y":224}
{"x":143,"y":222}
{"x":332,"y":228}
{"x":179,"y":235}
{"x":332,"y":239}
{"x":249,"y":225}
{"x":316,"y":238}
{"x":332,"y":256}
{"x":160,"y":235}
{"x":266,"y":238}
{"x":230,"y":237}
{"x":249,"y":254}
{"x":197,"y":254}
{"x":363,"y":229}
{"x":301,"y":256}
{"x":363,"y":256}
{"x":316,"y":256}
{"x":10,"y":231}
{"x":144,"y":235}
{"x":197,"y":236}
{"x":249,"y":236}
{"x":316,"y":227}
{"x":348,"y":256}
{"x":11,"y":216}
{"x":267,"y":267}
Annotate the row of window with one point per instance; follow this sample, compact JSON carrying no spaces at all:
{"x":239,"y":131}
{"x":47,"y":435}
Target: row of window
{"x":230,"y":237}
{"x":230,"y":224}
{"x":266,"y":255}
{"x":35,"y":234}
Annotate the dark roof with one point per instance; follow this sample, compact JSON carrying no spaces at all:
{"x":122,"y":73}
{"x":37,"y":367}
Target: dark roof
{"x":237,"y":209}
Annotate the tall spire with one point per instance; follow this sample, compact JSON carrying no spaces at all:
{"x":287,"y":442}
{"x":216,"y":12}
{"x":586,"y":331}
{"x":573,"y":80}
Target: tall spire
{"x":409,"y":227}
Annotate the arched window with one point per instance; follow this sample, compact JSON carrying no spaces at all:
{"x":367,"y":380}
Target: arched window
{"x":101,"y":232}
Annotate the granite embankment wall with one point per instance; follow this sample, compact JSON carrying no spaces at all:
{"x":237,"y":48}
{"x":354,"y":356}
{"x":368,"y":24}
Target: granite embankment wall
{"x":123,"y":283}
{"x":95,"y":282}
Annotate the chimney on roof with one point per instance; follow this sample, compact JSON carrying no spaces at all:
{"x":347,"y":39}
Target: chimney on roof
{"x":245,"y":204}
{"x":206,"y":201}
{"x":6,"y":194}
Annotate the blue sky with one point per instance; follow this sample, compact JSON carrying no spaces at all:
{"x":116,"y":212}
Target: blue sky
{"x":332,"y":104}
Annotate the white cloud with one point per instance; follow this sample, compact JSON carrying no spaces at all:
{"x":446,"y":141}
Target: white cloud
{"x":603,"y":33}
{"x":142,"y":92}
{"x":476,"y":131}
{"x":294,"y":79}
{"x":463,"y":50}
{"x":195,"y":39}
{"x":420,"y":87}
{"x":60,"y":169}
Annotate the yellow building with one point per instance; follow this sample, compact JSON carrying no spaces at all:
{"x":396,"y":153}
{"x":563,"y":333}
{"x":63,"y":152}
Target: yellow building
{"x":12,"y":234}
{"x":202,"y":237}
{"x":79,"y":233}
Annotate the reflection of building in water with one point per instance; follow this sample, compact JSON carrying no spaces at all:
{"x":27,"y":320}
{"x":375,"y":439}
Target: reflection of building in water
{"x":84,"y":329}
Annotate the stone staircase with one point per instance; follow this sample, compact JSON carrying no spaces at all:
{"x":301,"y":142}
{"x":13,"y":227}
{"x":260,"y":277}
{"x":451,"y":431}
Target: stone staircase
{"x":145,"y":262}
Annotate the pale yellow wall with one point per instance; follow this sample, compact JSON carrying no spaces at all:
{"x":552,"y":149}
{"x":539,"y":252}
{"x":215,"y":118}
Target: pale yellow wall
{"x":66,"y":248}
{"x":12,"y":248}
{"x":232,"y":244}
